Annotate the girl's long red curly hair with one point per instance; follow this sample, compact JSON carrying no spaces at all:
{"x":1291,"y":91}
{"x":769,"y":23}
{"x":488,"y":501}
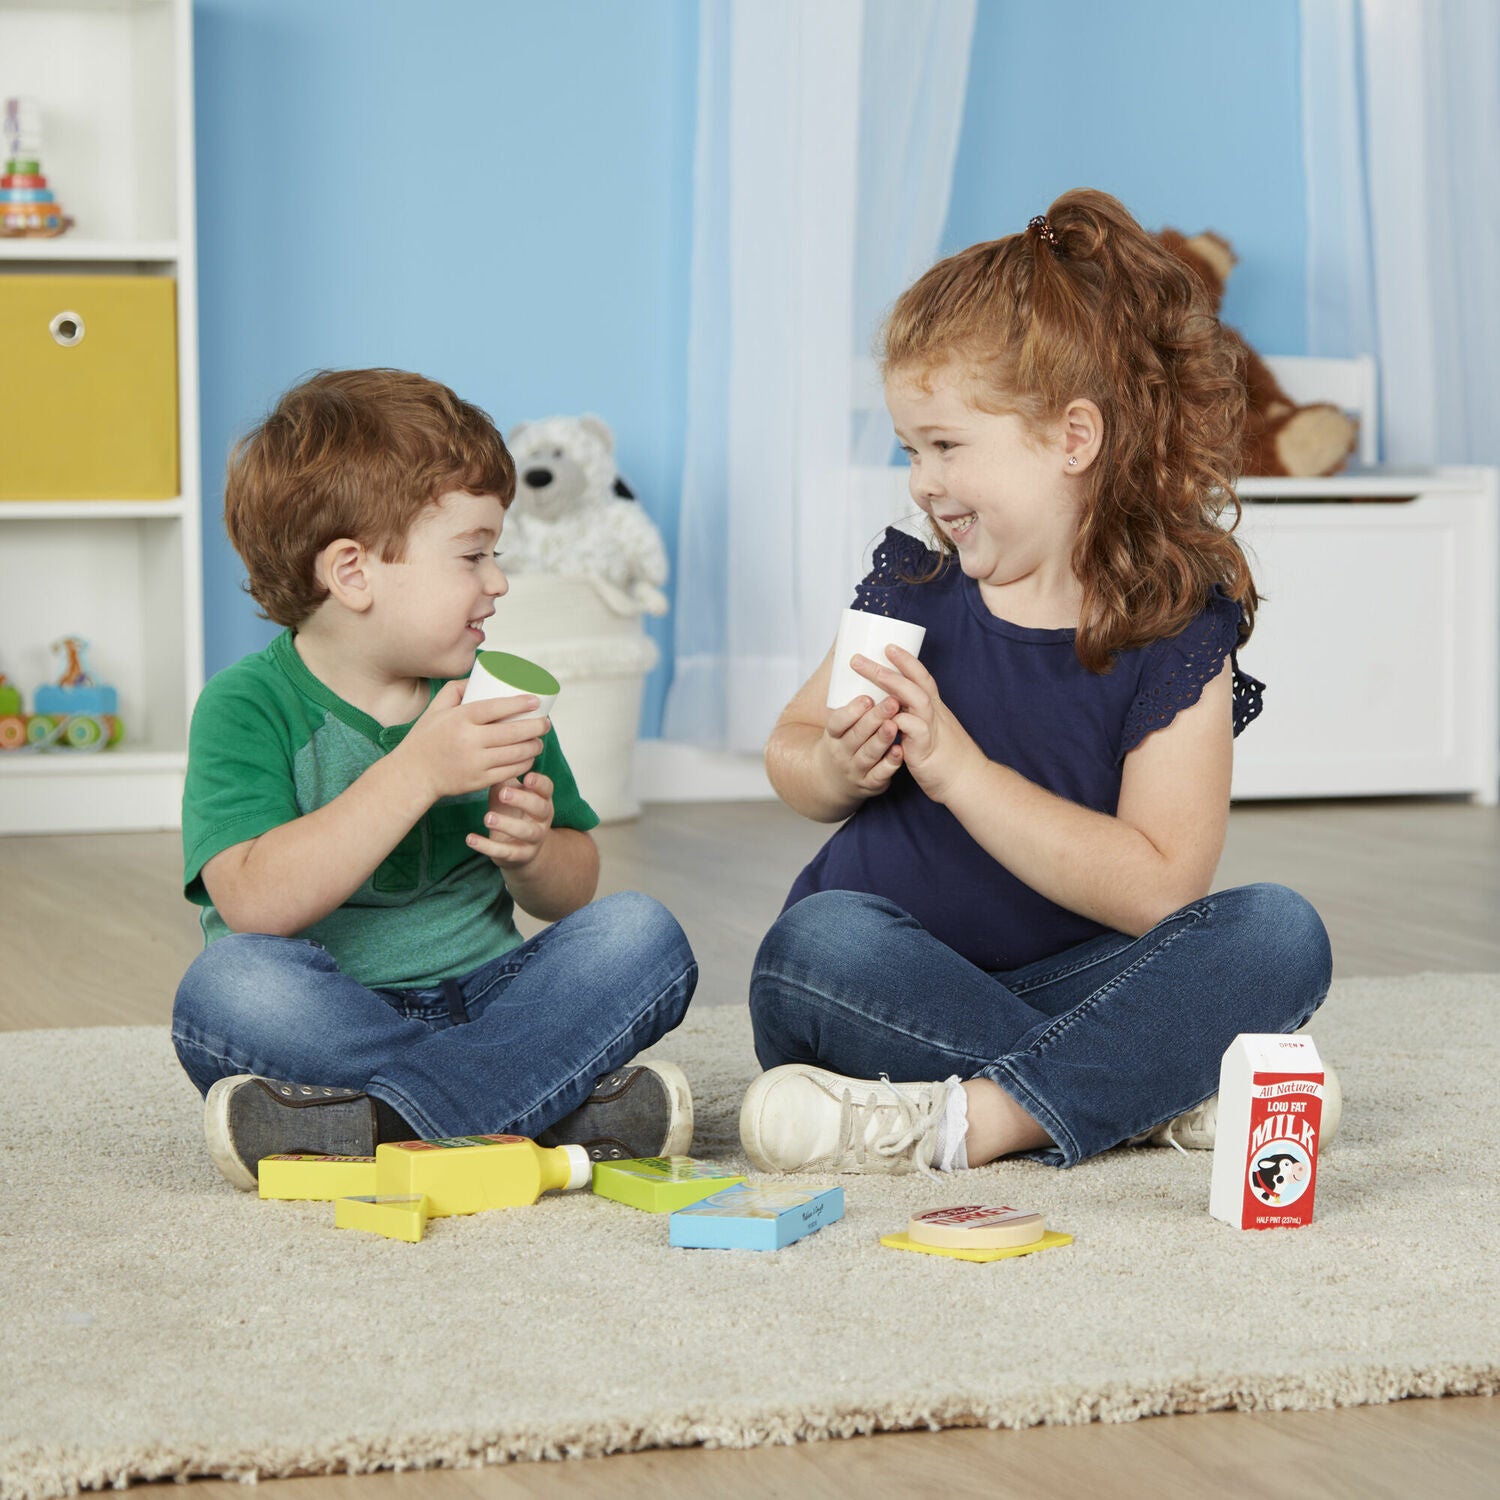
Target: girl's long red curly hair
{"x":1108,"y":315}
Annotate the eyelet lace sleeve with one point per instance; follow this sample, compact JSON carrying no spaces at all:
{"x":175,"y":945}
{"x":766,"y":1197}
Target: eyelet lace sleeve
{"x":898,"y":559}
{"x":1184,"y":665}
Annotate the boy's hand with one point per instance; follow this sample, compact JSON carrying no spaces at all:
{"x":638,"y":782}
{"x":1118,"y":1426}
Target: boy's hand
{"x":458,"y":747}
{"x":860,"y":741}
{"x":518,"y":820}
{"x":937,"y":749}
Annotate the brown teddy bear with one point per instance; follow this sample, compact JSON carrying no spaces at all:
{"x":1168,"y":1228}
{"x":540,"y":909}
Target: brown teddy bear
{"x":1280,"y":436}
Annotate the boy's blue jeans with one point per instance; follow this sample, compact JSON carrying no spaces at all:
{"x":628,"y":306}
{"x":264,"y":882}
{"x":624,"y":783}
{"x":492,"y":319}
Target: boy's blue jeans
{"x":1097,"y":1043}
{"x":543,"y":1022}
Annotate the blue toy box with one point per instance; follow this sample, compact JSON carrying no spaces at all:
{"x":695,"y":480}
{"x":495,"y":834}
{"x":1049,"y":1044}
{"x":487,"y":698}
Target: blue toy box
{"x":751,"y":1217}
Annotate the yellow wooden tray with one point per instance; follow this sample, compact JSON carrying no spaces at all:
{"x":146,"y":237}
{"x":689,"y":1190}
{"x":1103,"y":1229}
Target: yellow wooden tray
{"x":1052,"y":1240}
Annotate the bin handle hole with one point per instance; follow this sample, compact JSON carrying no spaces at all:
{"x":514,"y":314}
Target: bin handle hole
{"x":67,"y":329}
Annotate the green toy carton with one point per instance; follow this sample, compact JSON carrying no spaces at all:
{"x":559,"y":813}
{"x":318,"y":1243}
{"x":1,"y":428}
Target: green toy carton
{"x":660,"y":1184}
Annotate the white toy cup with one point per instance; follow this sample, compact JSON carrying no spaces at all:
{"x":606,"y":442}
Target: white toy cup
{"x":864,"y":634}
{"x":498,"y":674}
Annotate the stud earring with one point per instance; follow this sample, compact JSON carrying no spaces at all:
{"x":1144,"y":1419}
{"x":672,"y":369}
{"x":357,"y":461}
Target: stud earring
{"x":1072,"y":460}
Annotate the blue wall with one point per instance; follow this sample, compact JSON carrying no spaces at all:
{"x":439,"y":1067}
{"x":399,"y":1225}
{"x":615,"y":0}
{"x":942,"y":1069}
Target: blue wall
{"x":499,"y":193}
{"x":493,"y":192}
{"x":1188,"y":112}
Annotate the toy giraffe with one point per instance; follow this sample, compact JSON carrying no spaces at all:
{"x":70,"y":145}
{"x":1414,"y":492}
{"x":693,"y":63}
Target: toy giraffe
{"x":74,"y":673}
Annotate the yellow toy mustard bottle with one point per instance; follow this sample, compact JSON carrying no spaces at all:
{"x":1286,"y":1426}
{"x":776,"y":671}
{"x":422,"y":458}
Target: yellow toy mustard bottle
{"x":470,"y":1173}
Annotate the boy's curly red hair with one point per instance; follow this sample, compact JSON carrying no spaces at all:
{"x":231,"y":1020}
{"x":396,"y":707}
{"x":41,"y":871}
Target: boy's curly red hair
{"x":351,"y":453}
{"x":1099,"y":309}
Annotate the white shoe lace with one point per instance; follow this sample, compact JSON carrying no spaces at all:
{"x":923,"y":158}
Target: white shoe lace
{"x":913,"y":1128}
{"x":1190,"y":1120}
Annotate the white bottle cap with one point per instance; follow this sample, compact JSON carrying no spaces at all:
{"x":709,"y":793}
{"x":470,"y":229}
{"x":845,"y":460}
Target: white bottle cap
{"x":582,"y":1167}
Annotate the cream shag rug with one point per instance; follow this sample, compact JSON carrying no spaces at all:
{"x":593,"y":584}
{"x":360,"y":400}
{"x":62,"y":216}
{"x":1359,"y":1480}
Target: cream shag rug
{"x":154,"y":1322}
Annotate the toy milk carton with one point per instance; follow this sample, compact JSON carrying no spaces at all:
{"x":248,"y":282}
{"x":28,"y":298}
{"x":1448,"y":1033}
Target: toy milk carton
{"x":1266,"y":1139}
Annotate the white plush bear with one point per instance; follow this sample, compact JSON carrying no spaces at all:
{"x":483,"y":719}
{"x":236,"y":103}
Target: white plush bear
{"x":574,"y":514}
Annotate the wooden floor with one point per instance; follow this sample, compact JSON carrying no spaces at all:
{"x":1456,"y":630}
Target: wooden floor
{"x":95,"y":933}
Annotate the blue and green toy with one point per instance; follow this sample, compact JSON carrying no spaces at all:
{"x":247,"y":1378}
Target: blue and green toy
{"x":74,"y":713}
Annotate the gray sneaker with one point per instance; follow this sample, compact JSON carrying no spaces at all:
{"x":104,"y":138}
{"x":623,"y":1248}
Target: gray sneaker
{"x":246,"y":1118}
{"x":646,"y":1110}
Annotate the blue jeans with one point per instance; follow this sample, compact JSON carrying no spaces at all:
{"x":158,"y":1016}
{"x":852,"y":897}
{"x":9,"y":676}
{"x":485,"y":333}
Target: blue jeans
{"x":517,"y":1047}
{"x":1097,"y":1043}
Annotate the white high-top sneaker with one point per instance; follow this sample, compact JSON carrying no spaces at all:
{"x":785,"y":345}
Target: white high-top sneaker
{"x":798,"y":1118}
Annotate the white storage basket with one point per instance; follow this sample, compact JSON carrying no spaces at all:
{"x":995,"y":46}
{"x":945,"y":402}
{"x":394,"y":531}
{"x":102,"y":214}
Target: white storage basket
{"x":601,"y":659}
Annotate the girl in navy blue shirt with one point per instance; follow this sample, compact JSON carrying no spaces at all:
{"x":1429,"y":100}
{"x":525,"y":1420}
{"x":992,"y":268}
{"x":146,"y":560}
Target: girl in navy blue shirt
{"x":1010,"y":944}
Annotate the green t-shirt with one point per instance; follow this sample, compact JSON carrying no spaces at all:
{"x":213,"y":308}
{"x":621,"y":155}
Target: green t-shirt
{"x":269,"y":743}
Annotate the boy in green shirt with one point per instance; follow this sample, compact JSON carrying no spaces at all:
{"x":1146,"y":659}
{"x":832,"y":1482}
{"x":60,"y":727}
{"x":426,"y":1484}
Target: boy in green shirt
{"x":357,"y":837}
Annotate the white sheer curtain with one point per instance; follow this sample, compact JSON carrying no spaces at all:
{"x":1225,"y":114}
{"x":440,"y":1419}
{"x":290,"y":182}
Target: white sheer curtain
{"x":1401,"y":120}
{"x":826,"y":139}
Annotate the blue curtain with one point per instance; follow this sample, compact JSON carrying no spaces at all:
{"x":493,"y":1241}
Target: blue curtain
{"x":826,"y":140}
{"x":1401,"y":120}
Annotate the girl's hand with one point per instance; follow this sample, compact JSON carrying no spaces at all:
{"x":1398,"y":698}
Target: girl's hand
{"x":518,"y":821}
{"x":860,"y":742}
{"x":937,"y":749}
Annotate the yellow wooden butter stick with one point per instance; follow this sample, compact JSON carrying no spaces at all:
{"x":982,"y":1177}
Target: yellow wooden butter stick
{"x":325,"y":1177}
{"x":976,"y":1226}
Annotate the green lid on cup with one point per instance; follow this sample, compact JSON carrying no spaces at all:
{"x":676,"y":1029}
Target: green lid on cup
{"x":515,"y":671}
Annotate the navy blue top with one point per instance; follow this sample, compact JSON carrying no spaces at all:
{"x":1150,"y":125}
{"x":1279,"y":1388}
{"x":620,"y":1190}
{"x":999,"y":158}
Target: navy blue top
{"x":1028,"y":702}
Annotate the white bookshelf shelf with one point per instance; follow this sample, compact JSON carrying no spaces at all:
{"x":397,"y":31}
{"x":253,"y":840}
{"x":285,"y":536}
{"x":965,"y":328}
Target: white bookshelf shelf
{"x":67,"y":249}
{"x":113,"y":81}
{"x":69,"y":764}
{"x":92,"y":510}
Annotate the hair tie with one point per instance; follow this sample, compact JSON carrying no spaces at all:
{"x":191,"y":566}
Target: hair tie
{"x":1048,"y":233}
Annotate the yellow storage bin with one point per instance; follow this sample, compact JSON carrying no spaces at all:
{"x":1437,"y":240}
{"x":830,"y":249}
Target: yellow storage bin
{"x":88,"y":387}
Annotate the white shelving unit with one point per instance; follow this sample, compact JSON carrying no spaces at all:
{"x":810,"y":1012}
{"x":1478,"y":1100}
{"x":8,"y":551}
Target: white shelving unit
{"x":113,"y":79}
{"x":1379,"y":637}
